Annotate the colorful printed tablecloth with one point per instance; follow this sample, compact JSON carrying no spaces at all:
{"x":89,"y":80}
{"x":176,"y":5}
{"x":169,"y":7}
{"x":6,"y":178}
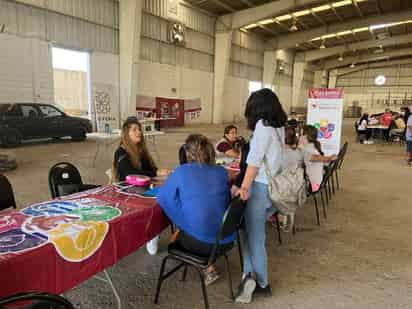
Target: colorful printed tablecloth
{"x":56,"y":245}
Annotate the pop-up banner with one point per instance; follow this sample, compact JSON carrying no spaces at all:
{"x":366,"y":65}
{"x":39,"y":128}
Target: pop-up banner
{"x":325,"y":110}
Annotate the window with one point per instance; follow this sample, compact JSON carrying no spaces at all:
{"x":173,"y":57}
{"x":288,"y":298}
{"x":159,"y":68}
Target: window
{"x":29,"y":111}
{"x":49,"y":111}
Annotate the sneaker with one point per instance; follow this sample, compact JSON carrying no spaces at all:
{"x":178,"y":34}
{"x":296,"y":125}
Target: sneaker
{"x":246,"y":289}
{"x":263,"y":292}
{"x":211,"y":277}
{"x":153,"y":245}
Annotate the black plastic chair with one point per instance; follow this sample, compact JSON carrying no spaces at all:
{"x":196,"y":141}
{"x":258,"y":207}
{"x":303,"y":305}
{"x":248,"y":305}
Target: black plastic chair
{"x":65,"y":179}
{"x":341,"y":158}
{"x":6,"y":193}
{"x":35,"y":300}
{"x":231,"y":221}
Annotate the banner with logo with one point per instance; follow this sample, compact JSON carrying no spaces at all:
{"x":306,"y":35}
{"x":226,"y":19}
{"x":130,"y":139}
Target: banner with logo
{"x":107,"y":110}
{"x":325,"y":111}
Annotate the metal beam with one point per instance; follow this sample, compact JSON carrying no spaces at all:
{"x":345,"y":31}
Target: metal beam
{"x":335,"y":12}
{"x":224,"y":5}
{"x":291,"y":39}
{"x":355,"y":4}
{"x":252,"y":15}
{"x":328,"y":52}
{"x":331,"y":64}
{"x":344,"y":71}
{"x":268,"y":30}
{"x":379,"y":7}
{"x":248,"y":3}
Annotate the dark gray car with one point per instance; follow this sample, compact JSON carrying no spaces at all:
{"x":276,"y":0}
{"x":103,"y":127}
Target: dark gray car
{"x":23,"y":121}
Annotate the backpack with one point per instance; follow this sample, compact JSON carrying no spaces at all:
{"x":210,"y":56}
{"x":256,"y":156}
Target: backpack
{"x":287,"y":190}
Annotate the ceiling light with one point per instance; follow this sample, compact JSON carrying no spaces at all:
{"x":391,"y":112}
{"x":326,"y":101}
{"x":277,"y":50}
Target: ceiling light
{"x":352,"y":65}
{"x":267,"y":21}
{"x":316,"y":39}
{"x":341,"y":3}
{"x":344,"y":32}
{"x":294,"y":28}
{"x":251,"y":26}
{"x":375,"y":27}
{"x":360,"y":29}
{"x":340,"y":58}
{"x":328,"y":36}
{"x":322,"y":46}
{"x":284,"y":17}
{"x":321,"y":8}
{"x":301,"y":13}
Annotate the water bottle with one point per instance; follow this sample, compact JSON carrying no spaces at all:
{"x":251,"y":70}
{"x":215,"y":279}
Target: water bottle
{"x":107,"y":128}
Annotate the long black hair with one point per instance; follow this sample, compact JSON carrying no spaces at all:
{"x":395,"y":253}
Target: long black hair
{"x":407,"y":114}
{"x":312,"y":135}
{"x":365,"y":116}
{"x":264,"y":104}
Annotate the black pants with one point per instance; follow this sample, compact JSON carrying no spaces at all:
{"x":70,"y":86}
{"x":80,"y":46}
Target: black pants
{"x":196,"y":246}
{"x":367,"y":133}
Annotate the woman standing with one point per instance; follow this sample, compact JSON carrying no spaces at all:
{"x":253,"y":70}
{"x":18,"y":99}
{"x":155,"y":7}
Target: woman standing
{"x":266,"y":118}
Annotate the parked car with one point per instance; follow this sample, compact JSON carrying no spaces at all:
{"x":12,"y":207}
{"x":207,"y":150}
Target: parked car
{"x":23,"y":121}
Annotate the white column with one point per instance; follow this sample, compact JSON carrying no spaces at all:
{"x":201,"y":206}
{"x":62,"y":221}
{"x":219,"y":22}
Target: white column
{"x":320,"y":79}
{"x":269,"y":68}
{"x":223,"y":45}
{"x":333,"y":76}
{"x":298,"y":72}
{"x":130,"y":12}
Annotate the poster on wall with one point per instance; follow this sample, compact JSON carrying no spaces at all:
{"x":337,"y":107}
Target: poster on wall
{"x":193,"y":107}
{"x":325,"y":108}
{"x":107,"y":113}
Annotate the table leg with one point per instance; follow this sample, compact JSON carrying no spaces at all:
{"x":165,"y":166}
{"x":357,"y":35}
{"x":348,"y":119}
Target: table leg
{"x":108,"y":280}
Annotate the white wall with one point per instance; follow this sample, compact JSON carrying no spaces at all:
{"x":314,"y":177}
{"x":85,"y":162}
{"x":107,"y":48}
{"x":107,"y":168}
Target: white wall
{"x":234,"y":98}
{"x":359,"y":87}
{"x":26,"y":73}
{"x":157,"y":80}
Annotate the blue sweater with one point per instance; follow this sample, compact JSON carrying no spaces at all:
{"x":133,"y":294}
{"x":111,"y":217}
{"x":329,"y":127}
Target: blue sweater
{"x":195,"y":198}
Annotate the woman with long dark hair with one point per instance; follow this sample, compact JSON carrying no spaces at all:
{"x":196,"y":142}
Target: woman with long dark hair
{"x":363,"y":128}
{"x":266,"y":118}
{"x":132,"y":157}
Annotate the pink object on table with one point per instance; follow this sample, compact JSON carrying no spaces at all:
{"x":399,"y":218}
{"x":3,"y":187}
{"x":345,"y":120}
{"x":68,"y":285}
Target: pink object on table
{"x":138,"y":180}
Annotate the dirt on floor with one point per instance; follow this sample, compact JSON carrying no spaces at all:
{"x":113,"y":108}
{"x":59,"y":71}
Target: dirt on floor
{"x":360,"y":256}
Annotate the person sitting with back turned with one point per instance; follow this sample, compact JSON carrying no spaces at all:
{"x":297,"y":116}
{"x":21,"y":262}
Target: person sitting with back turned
{"x":195,"y":198}
{"x":131,"y":158}
{"x":228,"y":146}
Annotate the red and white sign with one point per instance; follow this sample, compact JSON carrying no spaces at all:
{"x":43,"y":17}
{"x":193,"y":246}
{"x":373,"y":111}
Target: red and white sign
{"x":325,"y":111}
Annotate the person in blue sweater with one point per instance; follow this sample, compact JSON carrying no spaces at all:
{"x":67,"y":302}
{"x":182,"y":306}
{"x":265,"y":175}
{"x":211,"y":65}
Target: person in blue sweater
{"x":195,"y":198}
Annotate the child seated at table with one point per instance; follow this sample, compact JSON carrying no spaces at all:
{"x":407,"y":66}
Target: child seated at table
{"x":131,"y":158}
{"x":313,"y":156}
{"x":195,"y":198}
{"x":291,"y":154}
{"x":229,"y":145}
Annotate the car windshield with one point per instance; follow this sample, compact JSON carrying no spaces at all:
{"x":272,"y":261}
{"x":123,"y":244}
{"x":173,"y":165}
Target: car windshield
{"x":4,"y":108}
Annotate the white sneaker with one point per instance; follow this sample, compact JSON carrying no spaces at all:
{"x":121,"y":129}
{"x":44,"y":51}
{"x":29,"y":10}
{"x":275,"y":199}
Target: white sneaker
{"x":153,"y":245}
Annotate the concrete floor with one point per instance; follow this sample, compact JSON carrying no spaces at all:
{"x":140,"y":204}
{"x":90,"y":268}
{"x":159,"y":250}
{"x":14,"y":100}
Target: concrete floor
{"x":359,"y":258}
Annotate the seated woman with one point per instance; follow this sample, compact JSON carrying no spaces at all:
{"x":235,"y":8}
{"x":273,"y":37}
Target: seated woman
{"x":313,"y":156}
{"x":195,"y":197}
{"x":228,"y":146}
{"x":132,"y":157}
{"x":363,"y":129}
{"x":291,"y":154}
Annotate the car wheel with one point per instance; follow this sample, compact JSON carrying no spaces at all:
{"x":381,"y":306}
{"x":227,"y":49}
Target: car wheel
{"x":11,"y":138}
{"x":80,"y":136}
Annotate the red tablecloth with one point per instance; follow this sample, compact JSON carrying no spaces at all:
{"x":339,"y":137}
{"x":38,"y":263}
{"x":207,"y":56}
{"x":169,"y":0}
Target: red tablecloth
{"x":56,"y":245}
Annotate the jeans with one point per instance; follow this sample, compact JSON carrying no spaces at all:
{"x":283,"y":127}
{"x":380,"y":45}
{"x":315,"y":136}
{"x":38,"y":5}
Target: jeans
{"x":259,"y":208}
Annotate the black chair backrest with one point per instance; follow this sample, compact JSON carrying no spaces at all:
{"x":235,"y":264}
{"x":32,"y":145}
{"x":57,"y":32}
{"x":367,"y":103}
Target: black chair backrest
{"x":329,"y":171}
{"x":6,"y":193}
{"x":341,"y":155}
{"x":35,"y":300}
{"x":64,"y":178}
{"x":231,"y":221}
